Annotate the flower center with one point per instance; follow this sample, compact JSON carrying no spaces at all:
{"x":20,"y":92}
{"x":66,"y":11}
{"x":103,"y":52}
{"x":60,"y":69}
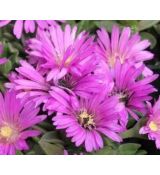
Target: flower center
{"x":112,"y":59}
{"x":86,"y":120}
{"x":153,"y":126}
{"x":67,"y":82}
{"x":6,"y":132}
{"x":68,"y":60}
{"x":122,"y":97}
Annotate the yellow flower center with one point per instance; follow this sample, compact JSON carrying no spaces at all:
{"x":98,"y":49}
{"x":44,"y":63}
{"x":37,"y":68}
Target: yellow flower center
{"x":86,"y":120}
{"x":153,"y":126}
{"x":6,"y":131}
{"x":68,"y":60}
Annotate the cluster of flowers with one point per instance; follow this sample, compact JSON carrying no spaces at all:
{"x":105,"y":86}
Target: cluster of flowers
{"x":92,"y":85}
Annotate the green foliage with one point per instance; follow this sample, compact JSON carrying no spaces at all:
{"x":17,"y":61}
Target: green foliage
{"x":112,"y":148}
{"x":50,"y":144}
{"x":150,"y":37}
{"x":134,"y":131}
{"x":145,"y":24}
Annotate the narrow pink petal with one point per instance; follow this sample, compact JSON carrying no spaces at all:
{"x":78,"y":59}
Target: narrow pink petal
{"x":18,"y":28}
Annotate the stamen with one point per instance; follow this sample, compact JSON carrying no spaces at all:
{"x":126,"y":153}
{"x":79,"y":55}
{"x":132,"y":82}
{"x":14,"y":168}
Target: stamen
{"x":6,"y":132}
{"x":86,"y":120}
{"x":68,"y":60}
{"x":153,"y":126}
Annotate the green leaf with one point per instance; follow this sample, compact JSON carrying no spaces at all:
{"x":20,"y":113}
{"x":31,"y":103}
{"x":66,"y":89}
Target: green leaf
{"x":51,"y":137}
{"x":19,"y":152}
{"x":145,"y":24}
{"x":2,"y":88}
{"x":87,"y":25}
{"x":70,"y":22}
{"x":107,"y":150}
{"x":128,"y":148}
{"x":121,"y":149}
{"x":106,"y":24}
{"x":134,"y":132}
{"x":141,"y":152}
{"x":150,"y":37}
{"x":133,"y":24}
{"x":51,"y":149}
{"x":50,"y":144}
{"x":5,"y":68}
{"x":32,"y":152}
{"x":157,"y":28}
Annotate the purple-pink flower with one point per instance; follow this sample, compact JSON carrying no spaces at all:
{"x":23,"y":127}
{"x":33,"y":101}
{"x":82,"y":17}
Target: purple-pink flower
{"x":16,"y":120}
{"x":29,"y":83}
{"x":62,"y":52}
{"x":152,"y":127}
{"x":32,"y":83}
{"x":68,"y":63}
{"x":123,"y":46}
{"x":29,"y":26}
{"x":132,"y":89}
{"x":86,"y":120}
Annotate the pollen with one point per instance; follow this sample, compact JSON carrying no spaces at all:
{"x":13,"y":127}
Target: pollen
{"x":153,"y":126}
{"x":112,"y":61}
{"x":86,"y":120}
{"x":6,"y":131}
{"x":68,"y":60}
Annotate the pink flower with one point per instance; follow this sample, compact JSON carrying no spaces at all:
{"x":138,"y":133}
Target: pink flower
{"x":15,"y":119}
{"x":70,"y":65}
{"x":29,"y":26}
{"x":152,"y":127}
{"x":29,"y":83}
{"x":86,"y":120}
{"x":32,"y":83}
{"x":63,"y":52}
{"x":124,"y":47}
{"x":131,"y":88}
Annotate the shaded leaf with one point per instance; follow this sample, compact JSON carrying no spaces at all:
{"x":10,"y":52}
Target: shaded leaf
{"x":106,"y":24}
{"x":51,"y":149}
{"x":145,"y":24}
{"x":107,"y":150}
{"x":50,"y":144}
{"x":150,"y":37}
{"x":19,"y":152}
{"x":128,"y":148}
{"x":134,"y":132}
{"x":141,"y":152}
{"x":6,"y":68}
{"x":51,"y":137}
{"x":133,"y":24}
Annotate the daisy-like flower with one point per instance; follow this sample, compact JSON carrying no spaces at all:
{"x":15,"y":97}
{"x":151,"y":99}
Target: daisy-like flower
{"x":29,"y":83}
{"x":132,"y":89}
{"x":123,"y":46}
{"x":86,"y":120}
{"x":32,"y":83}
{"x":29,"y":26}
{"x":63,"y":52}
{"x":16,"y":120}
{"x":72,"y":67}
{"x":152,"y":127}
{"x":2,"y":60}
